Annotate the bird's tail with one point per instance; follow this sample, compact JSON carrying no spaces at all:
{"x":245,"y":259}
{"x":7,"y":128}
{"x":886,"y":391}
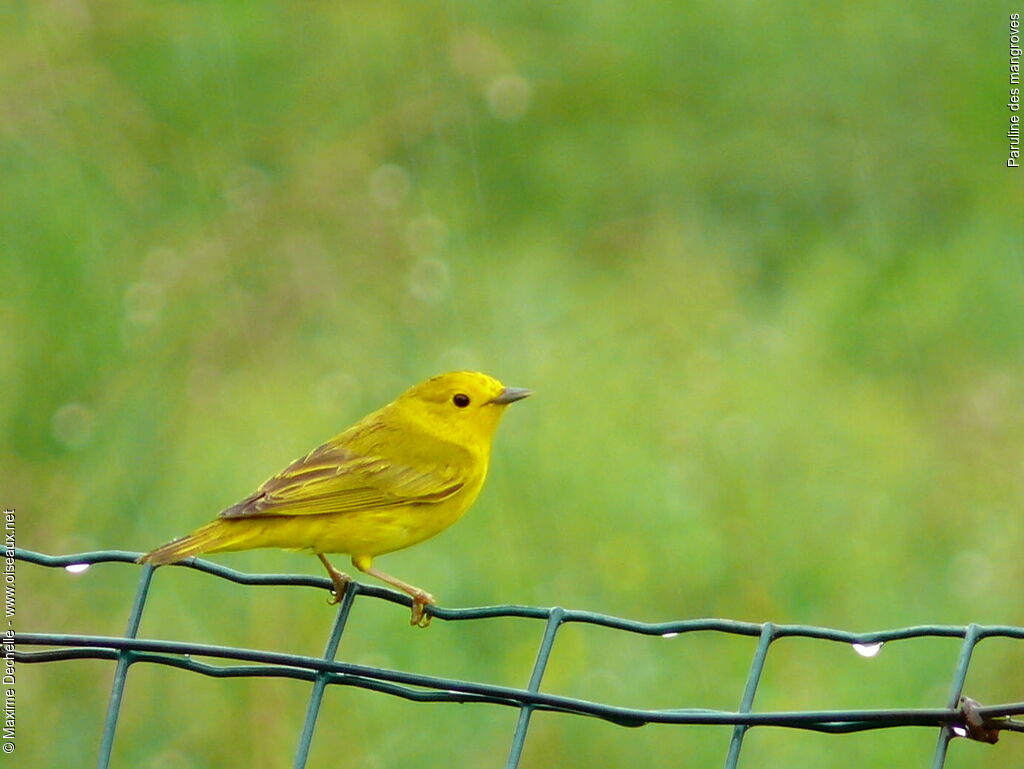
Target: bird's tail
{"x":211,"y":538}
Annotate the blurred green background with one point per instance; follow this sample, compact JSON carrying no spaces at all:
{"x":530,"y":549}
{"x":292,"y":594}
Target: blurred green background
{"x":761,"y":263}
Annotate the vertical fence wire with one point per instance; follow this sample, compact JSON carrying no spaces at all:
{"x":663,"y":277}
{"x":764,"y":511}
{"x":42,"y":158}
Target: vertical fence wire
{"x":753,"y":679}
{"x":543,"y":655}
{"x":317,"y":694}
{"x":124,"y":661}
{"x":956,"y":690}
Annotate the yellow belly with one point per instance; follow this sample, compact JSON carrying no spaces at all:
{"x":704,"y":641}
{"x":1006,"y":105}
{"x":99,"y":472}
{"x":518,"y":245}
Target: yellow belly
{"x":367,"y":532}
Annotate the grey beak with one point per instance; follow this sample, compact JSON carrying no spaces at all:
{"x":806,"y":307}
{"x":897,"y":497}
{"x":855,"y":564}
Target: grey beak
{"x":511,"y":395}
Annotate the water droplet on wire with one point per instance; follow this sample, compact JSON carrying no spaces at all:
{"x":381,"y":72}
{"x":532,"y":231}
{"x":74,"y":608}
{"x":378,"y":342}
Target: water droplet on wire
{"x":867,"y":650}
{"x":669,"y":635}
{"x":76,"y":568}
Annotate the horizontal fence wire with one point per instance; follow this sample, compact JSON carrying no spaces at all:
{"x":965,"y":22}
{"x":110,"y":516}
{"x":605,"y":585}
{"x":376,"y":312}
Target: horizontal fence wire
{"x":961,"y":716}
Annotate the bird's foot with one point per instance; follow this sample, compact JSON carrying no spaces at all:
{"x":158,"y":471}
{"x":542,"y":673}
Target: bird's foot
{"x":340,"y":585}
{"x":420,"y":615}
{"x":339,"y":578}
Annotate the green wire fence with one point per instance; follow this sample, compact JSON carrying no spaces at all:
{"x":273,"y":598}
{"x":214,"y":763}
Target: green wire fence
{"x":962,"y":716}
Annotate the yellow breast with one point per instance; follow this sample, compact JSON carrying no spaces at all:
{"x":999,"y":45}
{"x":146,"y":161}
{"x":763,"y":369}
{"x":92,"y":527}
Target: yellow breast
{"x":365,"y":532}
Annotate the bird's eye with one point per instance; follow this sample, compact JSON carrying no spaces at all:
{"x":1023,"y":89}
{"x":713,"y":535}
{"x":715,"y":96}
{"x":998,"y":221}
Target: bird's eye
{"x":461,"y":400}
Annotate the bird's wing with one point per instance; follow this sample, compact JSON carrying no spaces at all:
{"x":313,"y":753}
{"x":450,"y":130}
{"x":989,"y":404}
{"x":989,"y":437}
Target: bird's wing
{"x":335,"y":479}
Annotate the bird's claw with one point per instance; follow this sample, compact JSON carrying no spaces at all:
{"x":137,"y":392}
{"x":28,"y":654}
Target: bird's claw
{"x":420,"y":614}
{"x":340,"y":586}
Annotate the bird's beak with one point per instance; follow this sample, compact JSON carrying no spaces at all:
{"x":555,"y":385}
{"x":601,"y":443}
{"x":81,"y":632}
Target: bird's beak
{"x":511,"y":395}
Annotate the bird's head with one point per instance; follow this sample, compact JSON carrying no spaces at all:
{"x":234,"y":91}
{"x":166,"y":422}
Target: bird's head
{"x":464,"y":406}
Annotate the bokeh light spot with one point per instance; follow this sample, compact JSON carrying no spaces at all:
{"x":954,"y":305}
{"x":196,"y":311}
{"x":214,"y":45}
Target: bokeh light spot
{"x":143,"y":303}
{"x":72,"y":424}
{"x":390,"y":186}
{"x":429,"y":280}
{"x":509,"y":97}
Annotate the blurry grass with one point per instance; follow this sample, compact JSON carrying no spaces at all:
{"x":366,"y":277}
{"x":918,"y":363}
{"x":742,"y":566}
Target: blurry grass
{"x":762,"y":266}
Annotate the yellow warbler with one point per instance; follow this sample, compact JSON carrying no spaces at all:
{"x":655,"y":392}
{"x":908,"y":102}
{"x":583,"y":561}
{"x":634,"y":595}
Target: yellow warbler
{"x":397,"y":477}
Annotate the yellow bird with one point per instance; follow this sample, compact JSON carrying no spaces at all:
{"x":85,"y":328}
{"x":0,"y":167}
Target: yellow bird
{"x":395,"y":478}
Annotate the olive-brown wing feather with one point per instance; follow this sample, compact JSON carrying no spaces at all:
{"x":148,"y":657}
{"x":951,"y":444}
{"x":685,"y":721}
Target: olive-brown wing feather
{"x":335,"y":479}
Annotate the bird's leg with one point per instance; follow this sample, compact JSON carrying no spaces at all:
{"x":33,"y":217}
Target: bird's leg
{"x":420,"y":598}
{"x":339,"y":578}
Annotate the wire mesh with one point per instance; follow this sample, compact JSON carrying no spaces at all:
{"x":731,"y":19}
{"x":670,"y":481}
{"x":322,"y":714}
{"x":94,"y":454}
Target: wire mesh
{"x":961,"y":716}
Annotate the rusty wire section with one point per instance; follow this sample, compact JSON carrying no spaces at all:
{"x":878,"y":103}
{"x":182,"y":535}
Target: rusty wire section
{"x":961,"y":715}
